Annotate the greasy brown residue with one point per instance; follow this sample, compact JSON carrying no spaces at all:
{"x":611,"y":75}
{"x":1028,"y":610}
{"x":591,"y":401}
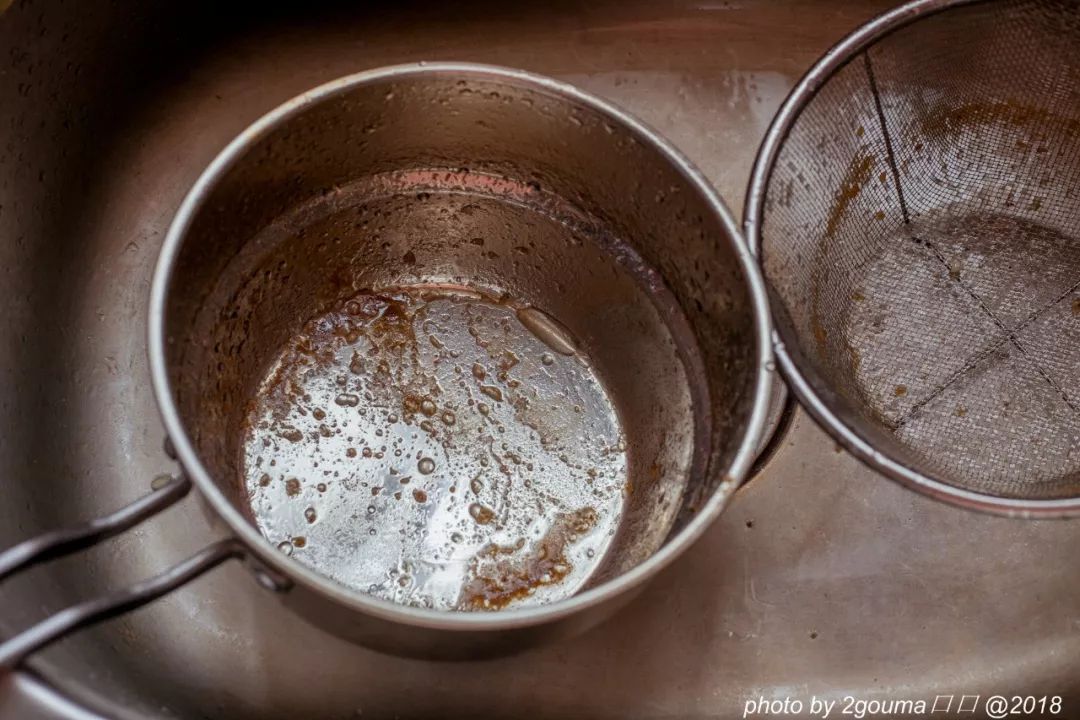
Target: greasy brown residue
{"x":944,"y":121}
{"x":858,"y":172}
{"x":419,"y":496}
{"x":292,"y":487}
{"x":499,"y":575}
{"x":820,"y":335}
{"x":961,"y":411}
{"x":299,"y":541}
{"x":900,"y":390}
{"x":855,"y":356}
{"x":1076,"y":306}
{"x":482,"y":514}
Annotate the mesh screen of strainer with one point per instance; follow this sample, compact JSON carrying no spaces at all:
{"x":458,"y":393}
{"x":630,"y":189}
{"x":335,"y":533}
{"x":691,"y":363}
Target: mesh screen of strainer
{"x":920,"y":233}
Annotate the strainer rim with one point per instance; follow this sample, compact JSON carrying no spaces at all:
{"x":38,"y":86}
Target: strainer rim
{"x":845,"y":433}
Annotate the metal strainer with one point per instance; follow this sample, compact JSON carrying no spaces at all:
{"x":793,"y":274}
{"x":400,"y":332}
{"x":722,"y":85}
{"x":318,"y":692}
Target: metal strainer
{"x":916,"y":211}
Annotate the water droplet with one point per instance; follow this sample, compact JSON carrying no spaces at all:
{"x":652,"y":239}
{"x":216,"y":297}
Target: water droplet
{"x":321,"y":487}
{"x":547,"y":359}
{"x":548,"y":330}
{"x":475,"y":485}
{"x":492,"y":392}
{"x":291,"y":434}
{"x":426,"y":466}
{"x":356,"y":365}
{"x":286,"y":547}
{"x":162,"y":480}
{"x":391,"y":418}
{"x":347,"y":400}
{"x":366,"y":452}
{"x":482,"y":514}
{"x":427,"y":407}
{"x":372,"y":531}
{"x":449,"y":417}
{"x":456,"y":537}
{"x":310,"y":515}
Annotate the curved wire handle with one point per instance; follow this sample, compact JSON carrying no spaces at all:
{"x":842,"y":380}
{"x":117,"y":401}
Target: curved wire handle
{"x":59,"y":543}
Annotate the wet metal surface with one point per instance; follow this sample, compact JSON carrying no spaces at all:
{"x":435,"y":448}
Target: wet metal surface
{"x":820,"y":578}
{"x":427,"y":446}
{"x":919,"y":229}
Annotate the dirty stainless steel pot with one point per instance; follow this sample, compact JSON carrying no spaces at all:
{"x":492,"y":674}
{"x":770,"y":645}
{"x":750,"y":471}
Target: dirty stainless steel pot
{"x":413,"y":201}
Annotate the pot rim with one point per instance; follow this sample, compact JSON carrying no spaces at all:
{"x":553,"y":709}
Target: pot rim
{"x":261,"y":548}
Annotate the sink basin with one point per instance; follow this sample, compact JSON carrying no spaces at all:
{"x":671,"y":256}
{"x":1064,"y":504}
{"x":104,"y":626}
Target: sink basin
{"x":821,"y":579}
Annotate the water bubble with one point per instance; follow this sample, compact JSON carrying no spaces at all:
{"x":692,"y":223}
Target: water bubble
{"x":347,"y":400}
{"x":426,"y":466}
{"x":372,"y":532}
{"x":427,"y":407}
{"x":356,"y":365}
{"x":391,"y":418}
{"x":482,"y":514}
{"x":310,"y":515}
{"x":548,"y":330}
{"x":286,"y":547}
{"x":547,"y":359}
{"x":370,"y":509}
{"x":456,"y":537}
{"x":449,"y":417}
{"x":291,"y":434}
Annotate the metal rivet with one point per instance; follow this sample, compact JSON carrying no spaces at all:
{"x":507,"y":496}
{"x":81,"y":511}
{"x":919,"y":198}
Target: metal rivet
{"x":168,"y":447}
{"x":271,"y":581}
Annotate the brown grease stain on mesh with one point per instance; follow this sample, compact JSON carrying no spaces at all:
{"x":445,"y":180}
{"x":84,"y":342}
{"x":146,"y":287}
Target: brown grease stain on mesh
{"x":859,"y":171}
{"x":944,"y":121}
{"x":856,"y":175}
{"x":499,"y":578}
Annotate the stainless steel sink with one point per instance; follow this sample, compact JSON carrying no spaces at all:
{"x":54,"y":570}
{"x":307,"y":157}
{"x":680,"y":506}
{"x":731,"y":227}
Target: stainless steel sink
{"x":821,"y":579}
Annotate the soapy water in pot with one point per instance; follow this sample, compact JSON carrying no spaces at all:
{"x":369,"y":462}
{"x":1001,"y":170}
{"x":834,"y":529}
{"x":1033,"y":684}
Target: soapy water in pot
{"x":436,"y":447}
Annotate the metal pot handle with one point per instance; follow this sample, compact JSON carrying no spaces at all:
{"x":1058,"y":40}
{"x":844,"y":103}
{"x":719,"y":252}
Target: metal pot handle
{"x":58,"y":543}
